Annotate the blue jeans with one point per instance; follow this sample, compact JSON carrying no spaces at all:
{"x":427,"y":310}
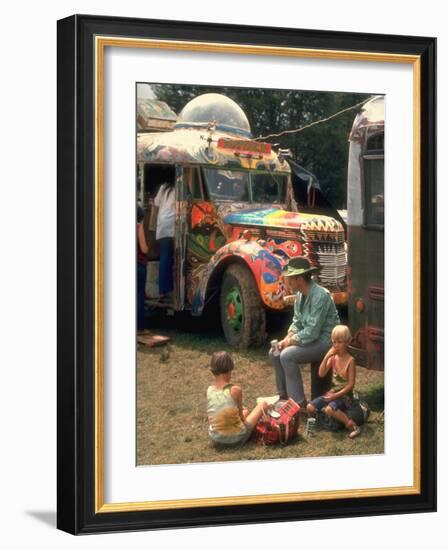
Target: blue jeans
{"x":141,"y":282}
{"x":166,"y":246}
{"x":287,"y":366}
{"x":337,"y":404}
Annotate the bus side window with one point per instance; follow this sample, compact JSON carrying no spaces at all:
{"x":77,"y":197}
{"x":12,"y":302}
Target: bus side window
{"x":194,"y":183}
{"x":374,"y":180}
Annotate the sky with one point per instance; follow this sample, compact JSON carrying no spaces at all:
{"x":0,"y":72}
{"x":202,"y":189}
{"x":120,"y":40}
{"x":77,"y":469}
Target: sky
{"x":145,"y":91}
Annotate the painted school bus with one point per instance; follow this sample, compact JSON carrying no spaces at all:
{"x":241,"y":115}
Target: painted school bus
{"x":365,"y":228}
{"x":237,"y":222}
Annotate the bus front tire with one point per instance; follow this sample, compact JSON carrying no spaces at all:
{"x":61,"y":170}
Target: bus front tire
{"x":243,"y":316}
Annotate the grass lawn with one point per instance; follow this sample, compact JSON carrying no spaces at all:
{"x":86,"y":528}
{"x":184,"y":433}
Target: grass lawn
{"x":171,"y":403}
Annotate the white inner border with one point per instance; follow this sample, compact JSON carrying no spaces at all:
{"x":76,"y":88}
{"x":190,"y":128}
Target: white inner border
{"x":124,"y":482}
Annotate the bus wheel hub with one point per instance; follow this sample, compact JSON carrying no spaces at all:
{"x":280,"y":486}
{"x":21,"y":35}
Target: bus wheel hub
{"x":234,"y":308}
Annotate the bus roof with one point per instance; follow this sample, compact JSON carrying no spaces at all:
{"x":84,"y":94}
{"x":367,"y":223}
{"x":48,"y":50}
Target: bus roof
{"x":204,"y":147}
{"x":371,"y":118}
{"x":154,"y":115}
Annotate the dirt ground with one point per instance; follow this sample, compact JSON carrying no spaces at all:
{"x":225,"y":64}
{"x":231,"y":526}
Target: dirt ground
{"x":171,"y":401}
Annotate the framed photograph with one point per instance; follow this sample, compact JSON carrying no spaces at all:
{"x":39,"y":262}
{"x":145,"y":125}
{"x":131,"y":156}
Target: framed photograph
{"x":246,"y":274}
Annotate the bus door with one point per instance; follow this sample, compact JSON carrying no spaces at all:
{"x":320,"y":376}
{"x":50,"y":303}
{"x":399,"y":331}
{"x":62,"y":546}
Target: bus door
{"x":180,"y":240}
{"x":205,"y":235}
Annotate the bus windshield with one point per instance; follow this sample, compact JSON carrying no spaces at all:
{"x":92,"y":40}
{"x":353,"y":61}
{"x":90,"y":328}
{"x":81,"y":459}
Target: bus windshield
{"x":258,"y":187}
{"x":227,"y":185}
{"x":268,"y":188}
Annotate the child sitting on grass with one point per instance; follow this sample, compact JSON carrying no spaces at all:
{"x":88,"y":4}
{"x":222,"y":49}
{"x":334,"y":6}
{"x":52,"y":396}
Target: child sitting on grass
{"x":336,"y":401}
{"x":229,"y":422}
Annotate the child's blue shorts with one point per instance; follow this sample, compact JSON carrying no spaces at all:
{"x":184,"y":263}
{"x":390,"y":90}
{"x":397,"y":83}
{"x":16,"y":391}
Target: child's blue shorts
{"x":231,"y":440}
{"x":337,"y":405}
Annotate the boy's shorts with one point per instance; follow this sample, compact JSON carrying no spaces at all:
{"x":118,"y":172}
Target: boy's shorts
{"x":231,"y":440}
{"x":337,"y":404}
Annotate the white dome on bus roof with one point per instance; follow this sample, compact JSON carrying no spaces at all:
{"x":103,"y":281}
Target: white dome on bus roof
{"x":218,"y":108}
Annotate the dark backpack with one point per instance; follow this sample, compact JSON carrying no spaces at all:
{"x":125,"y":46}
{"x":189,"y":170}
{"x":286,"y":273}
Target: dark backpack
{"x":358,"y":411}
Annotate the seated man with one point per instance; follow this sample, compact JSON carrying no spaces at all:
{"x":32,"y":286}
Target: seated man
{"x":309,"y":336}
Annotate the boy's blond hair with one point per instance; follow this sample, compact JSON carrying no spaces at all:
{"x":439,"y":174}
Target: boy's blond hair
{"x":342,"y":333}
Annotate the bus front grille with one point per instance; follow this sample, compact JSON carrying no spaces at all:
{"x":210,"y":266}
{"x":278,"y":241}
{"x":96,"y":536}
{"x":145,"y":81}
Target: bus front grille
{"x":331,"y":258}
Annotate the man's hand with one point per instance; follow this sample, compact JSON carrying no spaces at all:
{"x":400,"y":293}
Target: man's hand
{"x":285,"y":343}
{"x":281,"y":344}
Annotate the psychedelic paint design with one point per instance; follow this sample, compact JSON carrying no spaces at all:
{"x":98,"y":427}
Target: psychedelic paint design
{"x":193,"y":147}
{"x":264,"y":239}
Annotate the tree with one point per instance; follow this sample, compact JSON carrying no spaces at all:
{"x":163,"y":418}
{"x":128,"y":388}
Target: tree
{"x":321,"y":149}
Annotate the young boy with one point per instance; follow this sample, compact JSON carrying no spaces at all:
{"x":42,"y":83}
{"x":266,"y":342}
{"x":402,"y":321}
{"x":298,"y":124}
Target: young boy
{"x":229,"y":422}
{"x":336,"y":402}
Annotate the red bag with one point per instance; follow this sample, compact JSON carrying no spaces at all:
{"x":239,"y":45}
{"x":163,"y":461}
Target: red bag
{"x":281,"y":430}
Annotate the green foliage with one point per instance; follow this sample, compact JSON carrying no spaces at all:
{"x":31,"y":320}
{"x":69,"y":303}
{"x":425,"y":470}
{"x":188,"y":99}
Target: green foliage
{"x":321,"y":149}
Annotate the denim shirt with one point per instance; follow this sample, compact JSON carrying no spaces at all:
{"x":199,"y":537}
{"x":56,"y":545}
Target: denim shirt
{"x":315,"y":318}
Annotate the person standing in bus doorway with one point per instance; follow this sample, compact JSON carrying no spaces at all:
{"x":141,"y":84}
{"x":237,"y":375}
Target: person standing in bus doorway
{"x":165,"y":201}
{"x":309,"y":335}
{"x":142,"y":260}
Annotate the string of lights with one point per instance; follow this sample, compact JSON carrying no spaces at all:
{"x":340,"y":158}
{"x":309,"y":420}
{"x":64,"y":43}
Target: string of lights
{"x":315,"y":123}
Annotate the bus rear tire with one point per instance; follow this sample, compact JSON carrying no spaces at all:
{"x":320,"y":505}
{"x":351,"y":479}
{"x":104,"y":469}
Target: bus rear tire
{"x":243,"y":316}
